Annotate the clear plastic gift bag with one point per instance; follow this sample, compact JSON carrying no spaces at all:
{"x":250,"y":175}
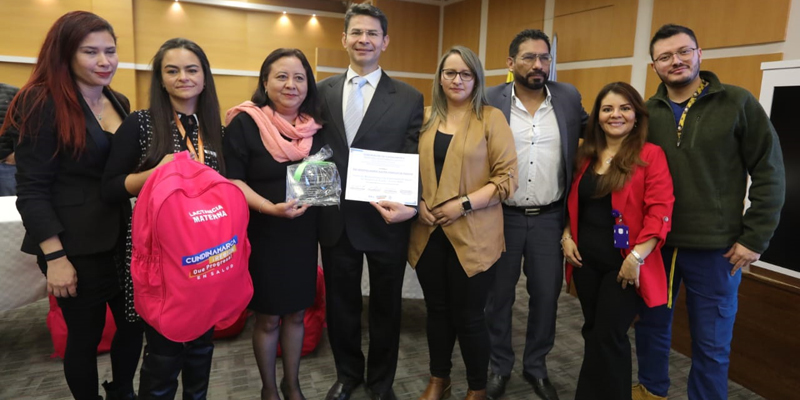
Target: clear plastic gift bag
{"x":314,"y":181}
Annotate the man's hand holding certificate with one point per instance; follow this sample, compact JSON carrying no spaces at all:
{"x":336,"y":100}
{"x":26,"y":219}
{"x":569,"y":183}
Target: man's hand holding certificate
{"x":373,"y":176}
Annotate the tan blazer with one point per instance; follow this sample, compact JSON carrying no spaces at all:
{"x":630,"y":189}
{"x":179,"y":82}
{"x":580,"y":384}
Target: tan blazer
{"x":481,"y":152}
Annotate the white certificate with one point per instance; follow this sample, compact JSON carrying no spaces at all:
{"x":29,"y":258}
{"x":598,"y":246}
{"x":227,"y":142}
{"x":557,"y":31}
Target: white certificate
{"x":379,"y":175}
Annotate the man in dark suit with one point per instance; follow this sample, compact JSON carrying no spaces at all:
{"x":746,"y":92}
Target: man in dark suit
{"x":364,"y":108}
{"x":546,"y":119}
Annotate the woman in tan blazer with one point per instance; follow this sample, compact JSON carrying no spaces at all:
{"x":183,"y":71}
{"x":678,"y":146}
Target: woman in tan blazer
{"x":467,"y":167}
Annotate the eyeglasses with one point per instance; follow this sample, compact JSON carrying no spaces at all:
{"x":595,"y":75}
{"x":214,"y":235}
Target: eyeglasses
{"x":451,"y":74}
{"x":530,"y":59}
{"x":372,"y":34}
{"x":684,"y":54}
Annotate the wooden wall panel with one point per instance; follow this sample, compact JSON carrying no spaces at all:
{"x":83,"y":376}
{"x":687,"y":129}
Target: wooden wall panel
{"x":423,"y":85}
{"x":125,"y":83}
{"x":25,"y":23}
{"x":734,"y":22}
{"x":322,"y":75}
{"x":507,"y":18}
{"x":564,"y":7}
{"x":600,"y":29}
{"x":158,"y":21}
{"x":15,"y":74}
{"x":413,"y":34}
{"x":740,"y":71}
{"x":233,"y":90}
{"x":495,"y":80}
{"x":319,"y":5}
{"x":119,"y":14}
{"x":142,"y":90}
{"x":589,"y":81}
{"x":236,"y":39}
{"x":334,"y":57}
{"x":462,"y":25}
{"x":269,"y":31}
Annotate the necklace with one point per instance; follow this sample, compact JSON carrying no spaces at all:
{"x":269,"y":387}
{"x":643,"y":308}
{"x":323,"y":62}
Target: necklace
{"x":98,"y":115}
{"x":608,"y":160}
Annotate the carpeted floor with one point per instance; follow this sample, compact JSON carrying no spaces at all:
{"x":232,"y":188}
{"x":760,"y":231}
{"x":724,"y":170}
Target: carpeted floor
{"x":27,"y":372}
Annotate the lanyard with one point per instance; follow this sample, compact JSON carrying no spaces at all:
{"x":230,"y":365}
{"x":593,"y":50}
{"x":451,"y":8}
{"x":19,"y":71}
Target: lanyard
{"x":189,"y":145}
{"x":694,"y":98}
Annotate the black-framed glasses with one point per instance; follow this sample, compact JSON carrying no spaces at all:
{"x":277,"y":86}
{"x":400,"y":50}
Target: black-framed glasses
{"x":530,"y":58}
{"x":684,"y":54}
{"x":451,"y":74}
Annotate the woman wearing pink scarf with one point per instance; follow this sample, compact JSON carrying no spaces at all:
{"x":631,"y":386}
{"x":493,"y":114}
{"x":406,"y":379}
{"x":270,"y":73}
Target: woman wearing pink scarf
{"x":264,"y":136}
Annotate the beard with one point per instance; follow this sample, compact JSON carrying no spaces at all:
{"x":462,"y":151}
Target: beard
{"x":529,"y":80}
{"x":680,"y":82}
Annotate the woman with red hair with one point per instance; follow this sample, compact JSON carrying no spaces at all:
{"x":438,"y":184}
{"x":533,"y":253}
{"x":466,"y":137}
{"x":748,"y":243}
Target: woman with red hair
{"x":65,"y":116}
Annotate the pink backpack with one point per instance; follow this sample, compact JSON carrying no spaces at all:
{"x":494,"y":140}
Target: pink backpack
{"x":190,"y":250}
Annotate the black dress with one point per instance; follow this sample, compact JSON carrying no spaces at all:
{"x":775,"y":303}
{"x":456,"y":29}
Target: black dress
{"x":283,"y":261}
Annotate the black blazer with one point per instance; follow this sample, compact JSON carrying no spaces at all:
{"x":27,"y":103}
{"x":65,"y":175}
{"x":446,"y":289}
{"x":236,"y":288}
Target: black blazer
{"x":391,"y":123}
{"x":60,"y":195}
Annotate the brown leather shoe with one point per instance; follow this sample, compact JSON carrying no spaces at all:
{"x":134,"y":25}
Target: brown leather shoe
{"x":438,"y":389}
{"x":639,"y":392}
{"x":476,"y":394}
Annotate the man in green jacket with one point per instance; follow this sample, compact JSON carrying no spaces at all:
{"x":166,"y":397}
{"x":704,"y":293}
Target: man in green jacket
{"x":714,"y":136}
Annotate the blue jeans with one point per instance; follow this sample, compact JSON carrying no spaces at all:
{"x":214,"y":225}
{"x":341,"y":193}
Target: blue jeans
{"x":8,"y":183}
{"x":711,"y":302}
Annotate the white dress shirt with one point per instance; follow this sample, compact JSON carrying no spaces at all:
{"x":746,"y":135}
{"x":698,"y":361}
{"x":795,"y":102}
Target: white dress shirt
{"x":367,"y":91}
{"x":539,"y":155}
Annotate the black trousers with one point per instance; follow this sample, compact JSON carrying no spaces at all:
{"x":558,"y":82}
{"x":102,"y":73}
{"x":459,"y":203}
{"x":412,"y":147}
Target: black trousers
{"x":164,"y":360}
{"x":608,"y":312}
{"x":455,"y":304}
{"x":85,"y":323}
{"x":343,"y":265}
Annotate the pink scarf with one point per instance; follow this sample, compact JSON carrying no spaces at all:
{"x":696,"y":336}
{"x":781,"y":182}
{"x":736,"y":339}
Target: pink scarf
{"x":271,"y":126}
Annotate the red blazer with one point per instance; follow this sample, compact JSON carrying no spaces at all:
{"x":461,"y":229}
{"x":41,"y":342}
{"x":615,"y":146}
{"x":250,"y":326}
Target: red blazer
{"x":645,"y":203}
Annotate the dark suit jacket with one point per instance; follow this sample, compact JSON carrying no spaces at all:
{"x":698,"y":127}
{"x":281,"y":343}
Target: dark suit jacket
{"x":59,"y":194}
{"x":570,"y":116}
{"x":391,"y":123}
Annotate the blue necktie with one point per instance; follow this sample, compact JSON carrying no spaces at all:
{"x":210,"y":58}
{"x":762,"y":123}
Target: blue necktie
{"x":354,"y":112}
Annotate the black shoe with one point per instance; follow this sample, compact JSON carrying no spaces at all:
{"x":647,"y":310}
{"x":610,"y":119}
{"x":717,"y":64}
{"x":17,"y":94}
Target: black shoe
{"x":286,"y":390}
{"x":388,"y":395}
{"x":542,"y":387}
{"x":341,"y":391}
{"x":496,"y":385}
{"x":115,"y":392}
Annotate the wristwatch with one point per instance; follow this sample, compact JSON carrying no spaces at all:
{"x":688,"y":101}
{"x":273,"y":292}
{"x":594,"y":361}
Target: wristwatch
{"x":466,"y":206}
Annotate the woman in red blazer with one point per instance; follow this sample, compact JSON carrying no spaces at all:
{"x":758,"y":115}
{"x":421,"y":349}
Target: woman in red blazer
{"x":620,"y":206}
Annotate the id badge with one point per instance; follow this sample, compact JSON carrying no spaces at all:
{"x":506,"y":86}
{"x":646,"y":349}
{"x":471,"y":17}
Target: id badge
{"x":621,"y":236}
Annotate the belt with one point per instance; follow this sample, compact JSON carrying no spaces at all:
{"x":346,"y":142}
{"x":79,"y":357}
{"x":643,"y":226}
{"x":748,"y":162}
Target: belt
{"x":535,"y":210}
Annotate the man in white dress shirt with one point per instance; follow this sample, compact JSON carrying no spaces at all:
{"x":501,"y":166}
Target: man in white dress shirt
{"x":365,"y":108}
{"x":547,"y":119}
